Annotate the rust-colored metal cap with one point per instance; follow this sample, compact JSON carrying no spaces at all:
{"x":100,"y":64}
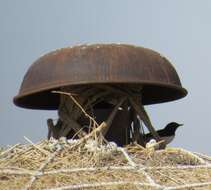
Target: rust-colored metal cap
{"x":99,"y":64}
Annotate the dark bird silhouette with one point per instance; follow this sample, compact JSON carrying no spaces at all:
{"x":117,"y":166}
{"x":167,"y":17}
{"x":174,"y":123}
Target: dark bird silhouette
{"x":167,"y":134}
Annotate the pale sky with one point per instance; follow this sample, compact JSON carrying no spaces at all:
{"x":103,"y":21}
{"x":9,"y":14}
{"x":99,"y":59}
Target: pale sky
{"x":180,"y":30}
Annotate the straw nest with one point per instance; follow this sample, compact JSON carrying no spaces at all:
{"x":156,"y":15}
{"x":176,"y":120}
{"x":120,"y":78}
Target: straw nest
{"x":91,"y":163}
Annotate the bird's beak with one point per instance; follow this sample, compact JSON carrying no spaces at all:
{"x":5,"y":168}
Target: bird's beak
{"x":181,"y":124}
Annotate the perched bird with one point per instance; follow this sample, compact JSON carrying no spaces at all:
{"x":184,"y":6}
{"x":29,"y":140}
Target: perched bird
{"x":167,"y":134}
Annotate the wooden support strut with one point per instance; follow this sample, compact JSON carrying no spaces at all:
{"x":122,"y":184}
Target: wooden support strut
{"x":112,"y":115}
{"x":138,"y":136}
{"x":68,"y":122}
{"x":135,"y":102}
{"x":71,"y":110}
{"x":138,"y":107}
{"x":53,"y":130}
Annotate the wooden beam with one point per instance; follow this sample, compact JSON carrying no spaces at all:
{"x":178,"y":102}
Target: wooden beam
{"x":112,"y":115}
{"x":138,"y":107}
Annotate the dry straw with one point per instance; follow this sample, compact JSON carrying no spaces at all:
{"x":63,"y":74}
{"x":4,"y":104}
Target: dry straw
{"x":86,"y":164}
{"x":92,"y":163}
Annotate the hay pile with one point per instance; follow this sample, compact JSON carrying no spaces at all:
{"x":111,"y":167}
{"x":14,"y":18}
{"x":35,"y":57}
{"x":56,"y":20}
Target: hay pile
{"x":91,"y":164}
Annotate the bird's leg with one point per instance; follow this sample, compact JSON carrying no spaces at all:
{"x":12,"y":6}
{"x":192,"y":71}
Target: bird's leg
{"x":138,"y":107}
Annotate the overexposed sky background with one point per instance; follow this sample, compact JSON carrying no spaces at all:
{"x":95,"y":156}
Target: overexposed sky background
{"x":180,"y":30}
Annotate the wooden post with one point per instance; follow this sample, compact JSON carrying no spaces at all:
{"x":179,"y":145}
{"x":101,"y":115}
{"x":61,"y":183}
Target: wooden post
{"x":138,"y":107}
{"x":112,"y":115}
{"x":138,"y":136}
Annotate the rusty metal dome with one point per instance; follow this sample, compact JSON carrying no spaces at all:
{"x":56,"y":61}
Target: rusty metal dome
{"x":99,"y":64}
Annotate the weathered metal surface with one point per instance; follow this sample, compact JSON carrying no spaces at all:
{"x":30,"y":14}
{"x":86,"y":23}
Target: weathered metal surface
{"x":126,"y":65}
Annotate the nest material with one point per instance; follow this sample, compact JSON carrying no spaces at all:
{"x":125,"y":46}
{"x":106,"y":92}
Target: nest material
{"x":90,"y":162}
{"x":94,"y":164}
{"x":77,"y":107}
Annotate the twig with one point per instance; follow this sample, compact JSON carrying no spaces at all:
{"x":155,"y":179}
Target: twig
{"x":205,"y":157}
{"x":78,"y":133}
{"x":155,"y":144}
{"x":41,"y":168}
{"x":8,"y":150}
{"x":149,"y":178}
{"x":40,"y":149}
{"x":102,"y":126}
{"x":88,"y":169}
{"x":76,"y":102}
{"x":182,"y":167}
{"x":167,"y":176}
{"x":130,"y":161}
{"x":191,"y":155}
{"x":140,"y":168}
{"x":17,"y":172}
{"x":101,"y":184}
{"x":71,"y":124}
{"x":189,"y":186}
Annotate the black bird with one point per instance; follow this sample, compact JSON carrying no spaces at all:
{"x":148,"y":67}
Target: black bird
{"x":167,"y":134}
